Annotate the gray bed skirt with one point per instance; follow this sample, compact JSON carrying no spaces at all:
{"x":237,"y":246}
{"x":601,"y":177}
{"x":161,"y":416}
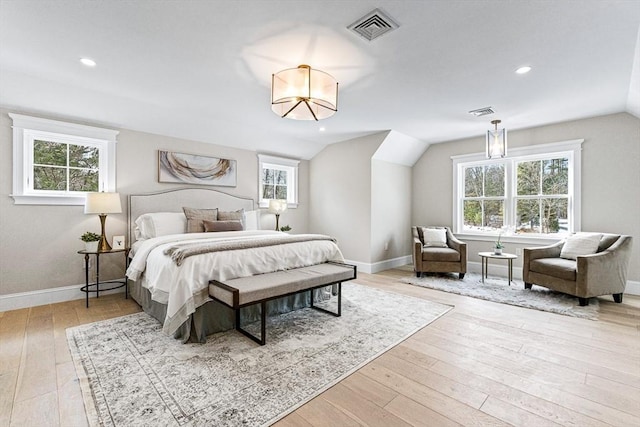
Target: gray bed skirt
{"x":214,"y":317}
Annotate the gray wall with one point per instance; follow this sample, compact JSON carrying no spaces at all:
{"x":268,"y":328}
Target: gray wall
{"x":343,"y":192}
{"x":610,"y":177}
{"x":39,"y":244}
{"x":363,"y":202}
{"x":390,"y":210}
{"x":340,"y":188}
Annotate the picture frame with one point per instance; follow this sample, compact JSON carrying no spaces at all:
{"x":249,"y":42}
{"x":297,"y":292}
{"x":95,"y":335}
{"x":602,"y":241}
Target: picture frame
{"x":118,"y":242}
{"x":174,"y":167}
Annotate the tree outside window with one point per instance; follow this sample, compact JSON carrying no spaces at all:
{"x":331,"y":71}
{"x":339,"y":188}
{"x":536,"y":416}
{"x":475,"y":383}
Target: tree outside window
{"x":483,"y":203}
{"x":278,"y":180}
{"x":542,"y":200}
{"x":56,"y":163}
{"x":65,"y":167}
{"x":532,"y":193}
{"x":274,"y":184}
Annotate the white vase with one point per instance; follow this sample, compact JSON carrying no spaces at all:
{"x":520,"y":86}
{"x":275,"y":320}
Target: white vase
{"x":91,"y":246}
{"x":497,"y":251}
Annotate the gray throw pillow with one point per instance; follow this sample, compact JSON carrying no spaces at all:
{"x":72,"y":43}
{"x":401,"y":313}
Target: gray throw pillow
{"x":213,"y":226}
{"x":195,"y":218}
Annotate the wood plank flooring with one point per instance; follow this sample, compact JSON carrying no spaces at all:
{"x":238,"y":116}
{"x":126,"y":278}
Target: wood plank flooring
{"x":482,"y":364}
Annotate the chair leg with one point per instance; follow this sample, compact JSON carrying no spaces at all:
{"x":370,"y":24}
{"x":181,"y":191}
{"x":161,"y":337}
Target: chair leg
{"x":617,"y":298}
{"x":528,"y":285}
{"x":583,"y":301}
{"x":461,"y":276}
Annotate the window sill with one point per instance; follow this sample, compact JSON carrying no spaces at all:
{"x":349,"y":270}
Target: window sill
{"x":24,"y":199}
{"x":518,"y":239}
{"x":265,"y":204}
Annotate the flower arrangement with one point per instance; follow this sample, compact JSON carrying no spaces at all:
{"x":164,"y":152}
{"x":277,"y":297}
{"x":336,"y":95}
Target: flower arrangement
{"x":285,"y":228}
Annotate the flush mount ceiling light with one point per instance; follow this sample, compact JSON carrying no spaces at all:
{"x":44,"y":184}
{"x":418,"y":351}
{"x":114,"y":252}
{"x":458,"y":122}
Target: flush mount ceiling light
{"x":523,"y":70}
{"x":496,"y":141}
{"x":304,"y":94}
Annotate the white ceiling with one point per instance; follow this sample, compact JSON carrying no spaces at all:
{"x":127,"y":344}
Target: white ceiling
{"x":201,"y":70}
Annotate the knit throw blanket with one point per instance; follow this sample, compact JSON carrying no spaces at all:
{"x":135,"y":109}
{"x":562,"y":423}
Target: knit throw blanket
{"x":181,"y":251}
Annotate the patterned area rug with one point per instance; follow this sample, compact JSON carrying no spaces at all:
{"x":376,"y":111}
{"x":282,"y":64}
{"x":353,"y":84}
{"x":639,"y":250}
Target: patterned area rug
{"x":131,"y":374}
{"x":498,"y":290}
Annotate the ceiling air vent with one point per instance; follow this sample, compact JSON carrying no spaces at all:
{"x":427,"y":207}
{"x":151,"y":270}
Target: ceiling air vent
{"x":373,"y":25}
{"x":482,"y":111}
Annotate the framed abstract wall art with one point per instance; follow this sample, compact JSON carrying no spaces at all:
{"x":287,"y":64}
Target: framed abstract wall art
{"x":194,"y":169}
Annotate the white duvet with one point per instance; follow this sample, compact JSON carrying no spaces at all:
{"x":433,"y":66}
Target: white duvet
{"x":184,"y":288}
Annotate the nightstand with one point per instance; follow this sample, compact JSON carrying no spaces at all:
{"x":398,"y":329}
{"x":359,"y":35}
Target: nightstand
{"x":119,"y":283}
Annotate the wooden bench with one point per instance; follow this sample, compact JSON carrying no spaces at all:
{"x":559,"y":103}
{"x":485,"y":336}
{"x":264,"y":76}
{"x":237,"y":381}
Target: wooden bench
{"x":258,"y":289}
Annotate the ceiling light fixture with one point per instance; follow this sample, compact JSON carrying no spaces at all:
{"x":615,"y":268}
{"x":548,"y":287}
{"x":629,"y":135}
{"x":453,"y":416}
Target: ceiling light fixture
{"x":496,"y":141}
{"x":304,"y":94}
{"x":523,"y":70}
{"x":88,"y":62}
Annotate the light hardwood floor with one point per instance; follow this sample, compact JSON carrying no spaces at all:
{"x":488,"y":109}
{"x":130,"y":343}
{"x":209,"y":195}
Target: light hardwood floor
{"x":480,"y":364}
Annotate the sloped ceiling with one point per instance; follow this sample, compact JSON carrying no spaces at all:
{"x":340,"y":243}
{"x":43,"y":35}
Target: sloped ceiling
{"x":201,"y":70}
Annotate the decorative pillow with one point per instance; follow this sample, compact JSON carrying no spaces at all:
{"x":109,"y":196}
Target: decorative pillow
{"x":232,"y":225}
{"x":436,"y":237}
{"x":196,"y":216}
{"x":252,"y":220}
{"x":148,"y":226}
{"x":232,"y":216}
{"x":580,"y":244}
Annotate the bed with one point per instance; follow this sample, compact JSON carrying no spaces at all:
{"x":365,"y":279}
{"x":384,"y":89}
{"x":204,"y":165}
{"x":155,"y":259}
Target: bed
{"x":170,"y":268}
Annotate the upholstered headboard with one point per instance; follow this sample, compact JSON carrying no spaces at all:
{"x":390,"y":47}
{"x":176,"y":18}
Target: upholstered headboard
{"x":175,"y":200}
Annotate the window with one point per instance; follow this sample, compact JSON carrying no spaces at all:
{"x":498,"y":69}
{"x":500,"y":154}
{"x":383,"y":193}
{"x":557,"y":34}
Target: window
{"x":278,"y":180}
{"x":55,"y":163}
{"x":533,"y":193}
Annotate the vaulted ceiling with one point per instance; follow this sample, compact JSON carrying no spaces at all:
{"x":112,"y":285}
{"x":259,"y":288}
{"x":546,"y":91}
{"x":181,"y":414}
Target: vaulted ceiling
{"x":201,"y":70}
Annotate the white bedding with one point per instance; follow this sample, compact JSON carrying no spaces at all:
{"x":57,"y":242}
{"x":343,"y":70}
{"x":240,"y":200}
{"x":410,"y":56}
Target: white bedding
{"x":184,"y":288}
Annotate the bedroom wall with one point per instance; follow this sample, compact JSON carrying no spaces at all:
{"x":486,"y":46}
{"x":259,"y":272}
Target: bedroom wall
{"x":340,"y":189}
{"x":364,"y":202}
{"x":390,"y":210}
{"x":39,"y":244}
{"x":610,"y":178}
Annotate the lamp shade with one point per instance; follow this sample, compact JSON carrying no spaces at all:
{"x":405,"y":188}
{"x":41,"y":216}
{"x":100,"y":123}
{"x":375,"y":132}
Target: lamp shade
{"x":304,"y":94}
{"x":277,"y":206}
{"x":496,"y":141}
{"x":102,"y":203}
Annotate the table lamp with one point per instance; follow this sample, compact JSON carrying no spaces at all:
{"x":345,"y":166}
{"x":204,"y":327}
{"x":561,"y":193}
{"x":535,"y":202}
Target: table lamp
{"x":277,"y":206}
{"x":102,"y":204}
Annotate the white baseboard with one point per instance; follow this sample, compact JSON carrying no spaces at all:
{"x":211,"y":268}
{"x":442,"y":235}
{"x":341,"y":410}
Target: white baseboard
{"x":47,"y":296}
{"x":633,"y":288}
{"x":70,"y":293}
{"x":381,"y":265}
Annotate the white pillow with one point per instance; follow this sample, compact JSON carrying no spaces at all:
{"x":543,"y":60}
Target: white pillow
{"x":158,"y":224}
{"x":436,"y":237}
{"x":252,"y":220}
{"x":580,"y":244}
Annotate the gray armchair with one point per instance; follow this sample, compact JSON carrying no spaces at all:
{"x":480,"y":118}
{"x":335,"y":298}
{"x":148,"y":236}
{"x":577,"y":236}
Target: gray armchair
{"x":602,"y":273}
{"x":450,"y":259}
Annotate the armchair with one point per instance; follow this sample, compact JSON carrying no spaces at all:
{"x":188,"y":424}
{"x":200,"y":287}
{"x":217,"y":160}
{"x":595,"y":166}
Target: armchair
{"x":601,"y":273}
{"x":449,"y":257}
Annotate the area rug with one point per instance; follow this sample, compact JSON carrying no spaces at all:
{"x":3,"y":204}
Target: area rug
{"x":498,"y":290}
{"x":131,"y":374}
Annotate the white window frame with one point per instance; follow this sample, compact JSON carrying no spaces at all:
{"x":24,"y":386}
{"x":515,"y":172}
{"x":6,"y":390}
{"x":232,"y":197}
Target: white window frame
{"x":280,"y":163}
{"x":570,"y":149}
{"x":26,"y":129}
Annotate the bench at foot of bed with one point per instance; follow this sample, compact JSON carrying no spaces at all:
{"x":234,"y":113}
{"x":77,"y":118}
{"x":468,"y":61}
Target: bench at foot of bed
{"x":258,"y":289}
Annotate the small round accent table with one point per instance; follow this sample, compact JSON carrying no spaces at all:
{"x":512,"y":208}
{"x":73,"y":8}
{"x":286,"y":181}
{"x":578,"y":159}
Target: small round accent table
{"x":484,"y":258}
{"x":96,"y":285}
